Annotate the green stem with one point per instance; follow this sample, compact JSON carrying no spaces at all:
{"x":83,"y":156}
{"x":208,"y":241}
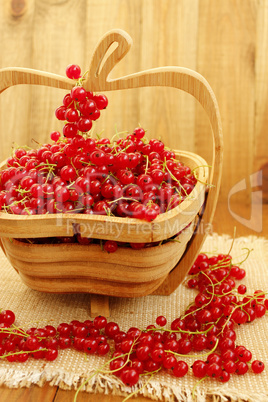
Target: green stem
{"x":144,"y":385}
{"x":196,"y":385}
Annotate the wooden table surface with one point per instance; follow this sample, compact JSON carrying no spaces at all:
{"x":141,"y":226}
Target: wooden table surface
{"x":224,"y":222}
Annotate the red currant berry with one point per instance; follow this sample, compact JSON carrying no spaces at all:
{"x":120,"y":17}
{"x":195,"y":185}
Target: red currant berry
{"x":241,"y":368}
{"x":90,"y":345}
{"x":199,"y":368}
{"x":110,"y":246}
{"x":161,"y":321}
{"x":129,"y":376}
{"x":51,"y":354}
{"x":55,"y":136}
{"x":111,"y":329}
{"x":60,"y":113}
{"x":73,"y":71}
{"x":101,"y":101}
{"x":180,"y":369}
{"x":139,"y":133}
{"x":78,"y":94}
{"x":257,"y":366}
{"x":99,"y":322}
{"x":7,"y":317}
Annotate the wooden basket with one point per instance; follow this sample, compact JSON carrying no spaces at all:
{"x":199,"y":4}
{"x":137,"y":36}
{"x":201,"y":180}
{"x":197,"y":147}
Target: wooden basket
{"x":127,"y":273}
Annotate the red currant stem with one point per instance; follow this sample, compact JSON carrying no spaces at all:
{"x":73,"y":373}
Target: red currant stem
{"x":238,"y":306}
{"x":88,"y":163}
{"x":46,"y":164}
{"x":21,"y":331}
{"x":121,"y":198}
{"x":108,"y":176}
{"x":22,"y":351}
{"x":22,"y":190}
{"x":117,"y":134}
{"x":196,"y":355}
{"x":178,"y":330}
{"x":174,"y":178}
{"x":221,"y":265}
{"x":101,"y":245}
{"x":71,"y":184}
{"x":84,"y":75}
{"x":98,"y":136}
{"x":81,"y":79}
{"x":108,"y":212}
{"x":124,"y":149}
{"x":116,"y":357}
{"x":147,"y":164}
{"x":176,"y":240}
{"x":16,"y":146}
{"x":196,"y":385}
{"x":29,"y":241}
{"x":232,"y":244}
{"x":144,"y":385}
{"x":197,"y":167}
{"x":252,"y":297}
{"x":246,"y":313}
{"x":200,"y":181}
{"x":221,"y":281}
{"x":248,"y":253}
{"x":100,"y":370}
{"x":10,"y":332}
{"x":204,"y":305}
{"x":74,"y":167}
{"x":151,"y":372}
{"x":223,"y":294}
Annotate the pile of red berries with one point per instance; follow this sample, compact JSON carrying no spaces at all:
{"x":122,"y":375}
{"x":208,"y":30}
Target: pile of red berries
{"x":208,"y":326}
{"x":93,"y":176}
{"x":77,"y":173}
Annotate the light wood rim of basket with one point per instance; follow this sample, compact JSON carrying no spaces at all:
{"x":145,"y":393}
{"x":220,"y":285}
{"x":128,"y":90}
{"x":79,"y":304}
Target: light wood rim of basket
{"x":177,"y":77}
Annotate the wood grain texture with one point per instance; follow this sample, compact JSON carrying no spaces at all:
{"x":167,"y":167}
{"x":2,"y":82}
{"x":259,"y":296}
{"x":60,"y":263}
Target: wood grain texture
{"x":224,"y":41}
{"x":123,"y":112}
{"x":226,"y":57}
{"x":166,"y":25}
{"x":53,"y":35}
{"x":261,"y":106}
{"x":99,"y":305}
{"x":32,"y":394}
{"x":16,"y":50}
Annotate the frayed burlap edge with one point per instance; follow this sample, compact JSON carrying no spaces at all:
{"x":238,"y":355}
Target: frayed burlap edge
{"x":109,"y":384}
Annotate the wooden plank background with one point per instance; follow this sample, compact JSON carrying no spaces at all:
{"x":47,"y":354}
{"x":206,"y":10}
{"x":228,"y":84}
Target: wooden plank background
{"x":226,"y":41}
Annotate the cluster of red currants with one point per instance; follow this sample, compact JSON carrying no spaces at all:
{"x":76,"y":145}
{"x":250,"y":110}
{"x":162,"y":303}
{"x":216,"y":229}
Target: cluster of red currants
{"x":208,"y":325}
{"x":94,"y":176}
{"x":80,"y":107}
{"x":218,"y":310}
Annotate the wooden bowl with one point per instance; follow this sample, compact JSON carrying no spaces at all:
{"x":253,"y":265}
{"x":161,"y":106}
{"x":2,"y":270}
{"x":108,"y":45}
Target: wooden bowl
{"x":65,"y":268}
{"x":130,"y":273}
{"x":75,"y":268}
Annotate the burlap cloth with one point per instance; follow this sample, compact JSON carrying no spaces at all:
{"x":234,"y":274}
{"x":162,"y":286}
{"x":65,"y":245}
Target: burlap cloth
{"x":72,"y":367}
